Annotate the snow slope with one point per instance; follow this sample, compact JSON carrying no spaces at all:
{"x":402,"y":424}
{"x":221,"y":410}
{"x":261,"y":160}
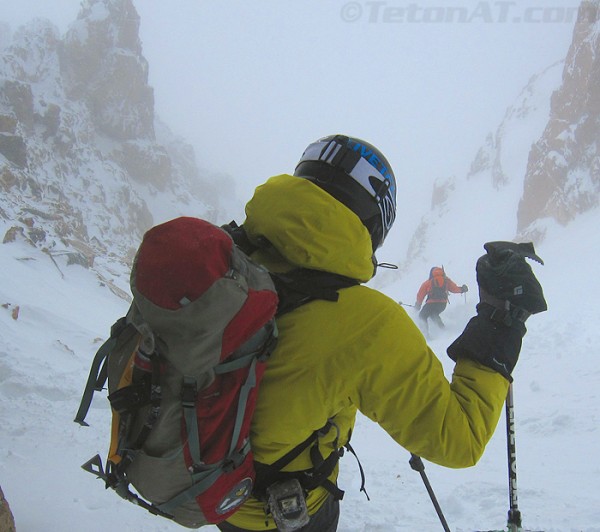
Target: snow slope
{"x":53,"y":317}
{"x":64,"y":311}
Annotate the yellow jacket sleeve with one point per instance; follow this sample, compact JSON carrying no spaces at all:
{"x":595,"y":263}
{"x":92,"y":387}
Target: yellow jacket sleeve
{"x":402,"y":387}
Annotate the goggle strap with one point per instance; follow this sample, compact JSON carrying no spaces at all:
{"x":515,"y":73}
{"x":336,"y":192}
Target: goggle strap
{"x":361,"y":171}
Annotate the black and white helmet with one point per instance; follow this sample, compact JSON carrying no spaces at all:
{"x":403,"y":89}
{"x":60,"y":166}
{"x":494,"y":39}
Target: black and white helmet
{"x":356,"y":174}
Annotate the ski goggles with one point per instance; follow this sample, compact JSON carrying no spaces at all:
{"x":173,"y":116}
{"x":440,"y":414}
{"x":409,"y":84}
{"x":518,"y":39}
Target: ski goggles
{"x":364,"y":166}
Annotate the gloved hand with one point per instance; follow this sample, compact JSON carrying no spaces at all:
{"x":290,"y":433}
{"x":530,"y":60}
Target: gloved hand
{"x":464,"y":288}
{"x":509,"y":293}
{"x":506,"y":281}
{"x":417,"y":305}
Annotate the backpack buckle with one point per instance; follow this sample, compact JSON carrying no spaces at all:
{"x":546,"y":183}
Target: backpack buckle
{"x":129,"y":398}
{"x":189,"y":392}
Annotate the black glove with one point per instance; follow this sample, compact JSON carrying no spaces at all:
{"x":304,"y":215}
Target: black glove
{"x":464,"y":288}
{"x":509,"y":293}
{"x":506,"y":281}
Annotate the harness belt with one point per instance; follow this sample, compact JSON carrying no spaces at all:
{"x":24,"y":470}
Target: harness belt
{"x":310,"y":479}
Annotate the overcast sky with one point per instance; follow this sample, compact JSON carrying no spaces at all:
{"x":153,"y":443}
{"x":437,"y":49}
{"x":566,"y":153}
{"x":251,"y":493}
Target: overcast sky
{"x":250,"y":84}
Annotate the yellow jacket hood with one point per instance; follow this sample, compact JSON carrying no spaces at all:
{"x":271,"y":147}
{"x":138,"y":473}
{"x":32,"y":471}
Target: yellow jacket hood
{"x":308,"y":228}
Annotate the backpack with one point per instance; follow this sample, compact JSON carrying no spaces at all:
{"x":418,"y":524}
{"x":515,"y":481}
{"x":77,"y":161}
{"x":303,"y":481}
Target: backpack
{"x":438,"y":292}
{"x":184,"y":368}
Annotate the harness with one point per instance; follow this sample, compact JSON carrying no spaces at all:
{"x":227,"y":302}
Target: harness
{"x":318,"y":475}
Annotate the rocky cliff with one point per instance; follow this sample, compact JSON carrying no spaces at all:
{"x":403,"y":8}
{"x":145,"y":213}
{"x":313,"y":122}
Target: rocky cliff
{"x":540,"y":166}
{"x":86,"y":167}
{"x":483,"y":203}
{"x":563,"y":172}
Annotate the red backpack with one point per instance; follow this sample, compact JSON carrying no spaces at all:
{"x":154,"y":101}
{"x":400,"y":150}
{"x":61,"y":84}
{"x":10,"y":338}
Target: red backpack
{"x":184,"y":368}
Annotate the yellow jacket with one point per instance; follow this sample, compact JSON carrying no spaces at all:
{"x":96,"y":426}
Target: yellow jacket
{"x":361,"y":353}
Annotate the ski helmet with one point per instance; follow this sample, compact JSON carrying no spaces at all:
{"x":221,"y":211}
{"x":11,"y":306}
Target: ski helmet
{"x":358,"y":175}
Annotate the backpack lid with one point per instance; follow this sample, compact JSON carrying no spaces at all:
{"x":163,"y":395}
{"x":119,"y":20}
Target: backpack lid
{"x":198,"y":293}
{"x":171,"y":268}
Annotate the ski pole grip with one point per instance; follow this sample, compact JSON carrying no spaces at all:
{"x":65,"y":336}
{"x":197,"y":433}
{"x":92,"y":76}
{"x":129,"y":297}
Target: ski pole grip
{"x":416,"y":463}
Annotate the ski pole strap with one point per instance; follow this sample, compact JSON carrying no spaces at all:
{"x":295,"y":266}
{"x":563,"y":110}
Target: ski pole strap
{"x":502,"y":311}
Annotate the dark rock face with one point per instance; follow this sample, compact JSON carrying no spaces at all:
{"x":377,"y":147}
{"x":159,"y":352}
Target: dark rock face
{"x":82,"y":172}
{"x":563,"y":171}
{"x":102,"y":60}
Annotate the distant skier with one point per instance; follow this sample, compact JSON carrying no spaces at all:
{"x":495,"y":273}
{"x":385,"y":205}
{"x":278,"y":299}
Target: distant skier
{"x":436,"y":289}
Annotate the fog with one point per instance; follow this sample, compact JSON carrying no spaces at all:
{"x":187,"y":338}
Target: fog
{"x":249,"y":85}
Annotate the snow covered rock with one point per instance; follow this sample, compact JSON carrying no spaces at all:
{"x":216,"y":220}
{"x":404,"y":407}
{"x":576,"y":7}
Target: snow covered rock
{"x":495,"y":177}
{"x":563,"y":172}
{"x":86,"y":167}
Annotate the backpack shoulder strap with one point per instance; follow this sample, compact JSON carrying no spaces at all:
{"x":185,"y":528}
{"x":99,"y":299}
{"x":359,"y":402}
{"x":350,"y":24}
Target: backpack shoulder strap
{"x":240,"y":237}
{"x":299,"y":286}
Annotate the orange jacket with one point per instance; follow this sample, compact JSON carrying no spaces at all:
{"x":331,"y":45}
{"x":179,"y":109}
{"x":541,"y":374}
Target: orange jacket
{"x":438,"y":277}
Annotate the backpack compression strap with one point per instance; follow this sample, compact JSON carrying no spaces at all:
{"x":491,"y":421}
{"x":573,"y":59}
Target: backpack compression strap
{"x":256,"y":349}
{"x":99,"y":372}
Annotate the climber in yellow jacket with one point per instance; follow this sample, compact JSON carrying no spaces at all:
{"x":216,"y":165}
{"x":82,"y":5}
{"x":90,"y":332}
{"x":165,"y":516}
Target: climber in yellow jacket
{"x":363,"y":352}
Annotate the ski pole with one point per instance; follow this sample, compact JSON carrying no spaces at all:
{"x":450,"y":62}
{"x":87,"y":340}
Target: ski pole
{"x":405,"y":304}
{"x":417,"y":464}
{"x":514,"y":515}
